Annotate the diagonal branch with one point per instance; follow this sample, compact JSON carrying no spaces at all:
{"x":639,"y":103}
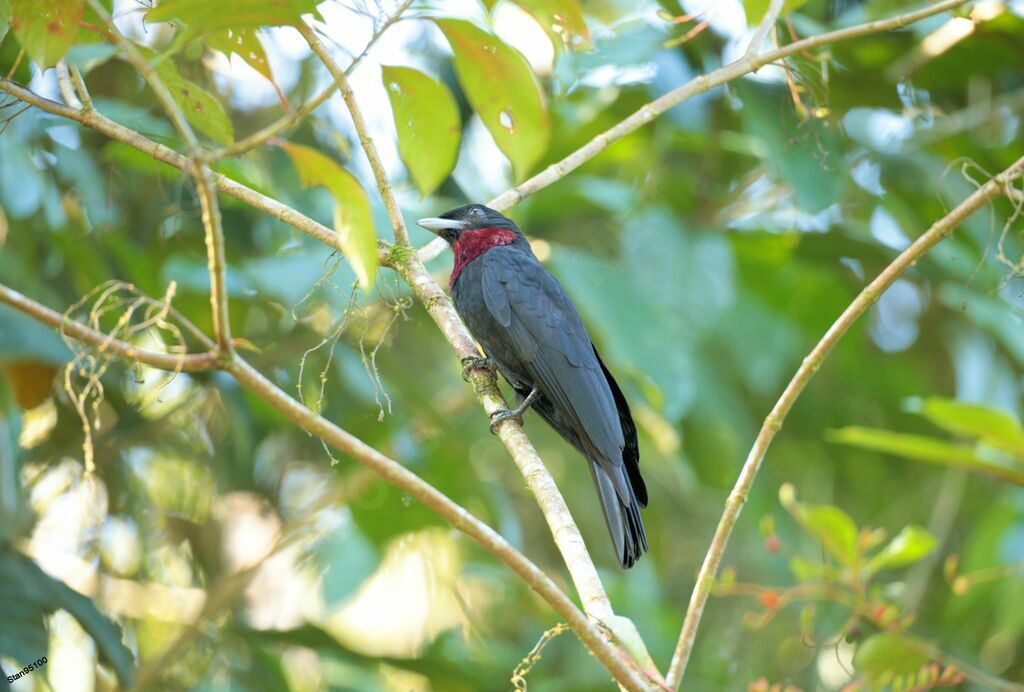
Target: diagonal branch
{"x":94,"y":120}
{"x":773,"y":423}
{"x":292,"y":119}
{"x":563,"y":528}
{"x":648,"y":112}
{"x":187,"y":362}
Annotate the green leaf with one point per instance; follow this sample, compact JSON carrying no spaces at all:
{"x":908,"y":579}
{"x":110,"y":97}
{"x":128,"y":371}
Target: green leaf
{"x":427,"y":121}
{"x":201,"y":17}
{"x":833,"y":528}
{"x":352,"y":219}
{"x":244,"y":43}
{"x":46,"y":28}
{"x":910,"y":545}
{"x":886,"y":653}
{"x":29,"y":594}
{"x":809,"y":570}
{"x":5,"y":17}
{"x":991,"y":426}
{"x":200,"y":108}
{"x":926,"y":449}
{"x":503,"y":91}
{"x":562,"y":20}
{"x":756,"y":9}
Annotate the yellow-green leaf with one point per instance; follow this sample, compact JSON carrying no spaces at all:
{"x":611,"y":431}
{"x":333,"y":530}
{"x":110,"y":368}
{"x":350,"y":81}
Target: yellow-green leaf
{"x":428,"y":125}
{"x":5,"y":17}
{"x":991,"y":426}
{"x":888,"y":653}
{"x":756,"y":9}
{"x":200,"y":108}
{"x":910,"y":545}
{"x":503,"y":91}
{"x":928,"y":450}
{"x":46,"y":28}
{"x":562,"y":20}
{"x":244,"y":43}
{"x":352,"y":219}
{"x":833,"y":528}
{"x":201,"y":16}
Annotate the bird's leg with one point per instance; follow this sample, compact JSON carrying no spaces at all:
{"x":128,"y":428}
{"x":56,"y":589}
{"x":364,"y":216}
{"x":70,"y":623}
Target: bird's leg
{"x":474,"y":363}
{"x":517,"y":412}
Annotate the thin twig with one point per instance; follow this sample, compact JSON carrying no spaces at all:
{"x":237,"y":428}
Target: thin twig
{"x":694,"y":87}
{"x":292,"y":119}
{"x":214,"y":231}
{"x":773,"y":423}
{"x":383,"y":184}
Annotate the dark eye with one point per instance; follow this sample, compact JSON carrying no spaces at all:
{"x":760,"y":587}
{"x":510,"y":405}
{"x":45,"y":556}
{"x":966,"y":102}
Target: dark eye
{"x":476,"y":211}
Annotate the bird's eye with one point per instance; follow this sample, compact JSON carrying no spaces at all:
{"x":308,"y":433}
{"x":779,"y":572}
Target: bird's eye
{"x":476,"y":211}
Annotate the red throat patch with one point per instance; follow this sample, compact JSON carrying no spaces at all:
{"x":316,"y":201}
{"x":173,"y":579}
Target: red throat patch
{"x":471,"y":244}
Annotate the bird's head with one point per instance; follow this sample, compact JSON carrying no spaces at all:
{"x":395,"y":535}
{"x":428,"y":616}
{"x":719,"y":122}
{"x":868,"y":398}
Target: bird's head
{"x":469,"y":217}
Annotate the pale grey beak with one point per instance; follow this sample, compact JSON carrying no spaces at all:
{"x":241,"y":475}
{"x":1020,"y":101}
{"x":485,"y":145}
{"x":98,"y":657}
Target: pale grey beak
{"x":436,"y":225}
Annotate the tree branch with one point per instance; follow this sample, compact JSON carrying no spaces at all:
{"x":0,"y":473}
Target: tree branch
{"x":94,"y":120}
{"x":190,"y":362}
{"x":770,"y":17}
{"x":345,"y":442}
{"x":214,"y":231}
{"x":648,"y":112}
{"x":613,"y":660}
{"x":383,"y":184}
{"x":773,"y":423}
{"x":292,"y":119}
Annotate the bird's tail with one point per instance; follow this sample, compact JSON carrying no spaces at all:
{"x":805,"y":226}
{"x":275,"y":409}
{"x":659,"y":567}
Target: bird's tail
{"x":621,"y":513}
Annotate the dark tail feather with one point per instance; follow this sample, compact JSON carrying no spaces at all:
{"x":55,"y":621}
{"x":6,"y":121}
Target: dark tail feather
{"x":622,"y":517}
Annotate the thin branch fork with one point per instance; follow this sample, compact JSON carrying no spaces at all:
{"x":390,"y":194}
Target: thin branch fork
{"x":940,"y":230}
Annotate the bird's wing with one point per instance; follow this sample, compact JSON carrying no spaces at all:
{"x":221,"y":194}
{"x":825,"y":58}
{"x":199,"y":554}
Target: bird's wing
{"x":542,"y":325}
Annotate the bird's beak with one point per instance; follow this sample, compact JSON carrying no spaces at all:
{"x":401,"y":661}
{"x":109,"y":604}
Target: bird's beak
{"x":436,"y":225}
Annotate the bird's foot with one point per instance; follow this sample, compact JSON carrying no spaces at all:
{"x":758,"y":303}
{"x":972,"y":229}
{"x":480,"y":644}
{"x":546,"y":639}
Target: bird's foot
{"x":475,"y":363}
{"x":504,"y":414}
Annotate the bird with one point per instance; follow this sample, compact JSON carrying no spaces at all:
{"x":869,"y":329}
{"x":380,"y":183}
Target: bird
{"x":531,"y":332}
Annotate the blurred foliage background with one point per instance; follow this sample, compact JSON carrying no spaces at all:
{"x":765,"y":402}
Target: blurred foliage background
{"x":708,"y":252}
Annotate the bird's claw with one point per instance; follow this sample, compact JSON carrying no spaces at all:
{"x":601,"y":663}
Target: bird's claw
{"x":475,"y":363}
{"x":502,"y":415}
